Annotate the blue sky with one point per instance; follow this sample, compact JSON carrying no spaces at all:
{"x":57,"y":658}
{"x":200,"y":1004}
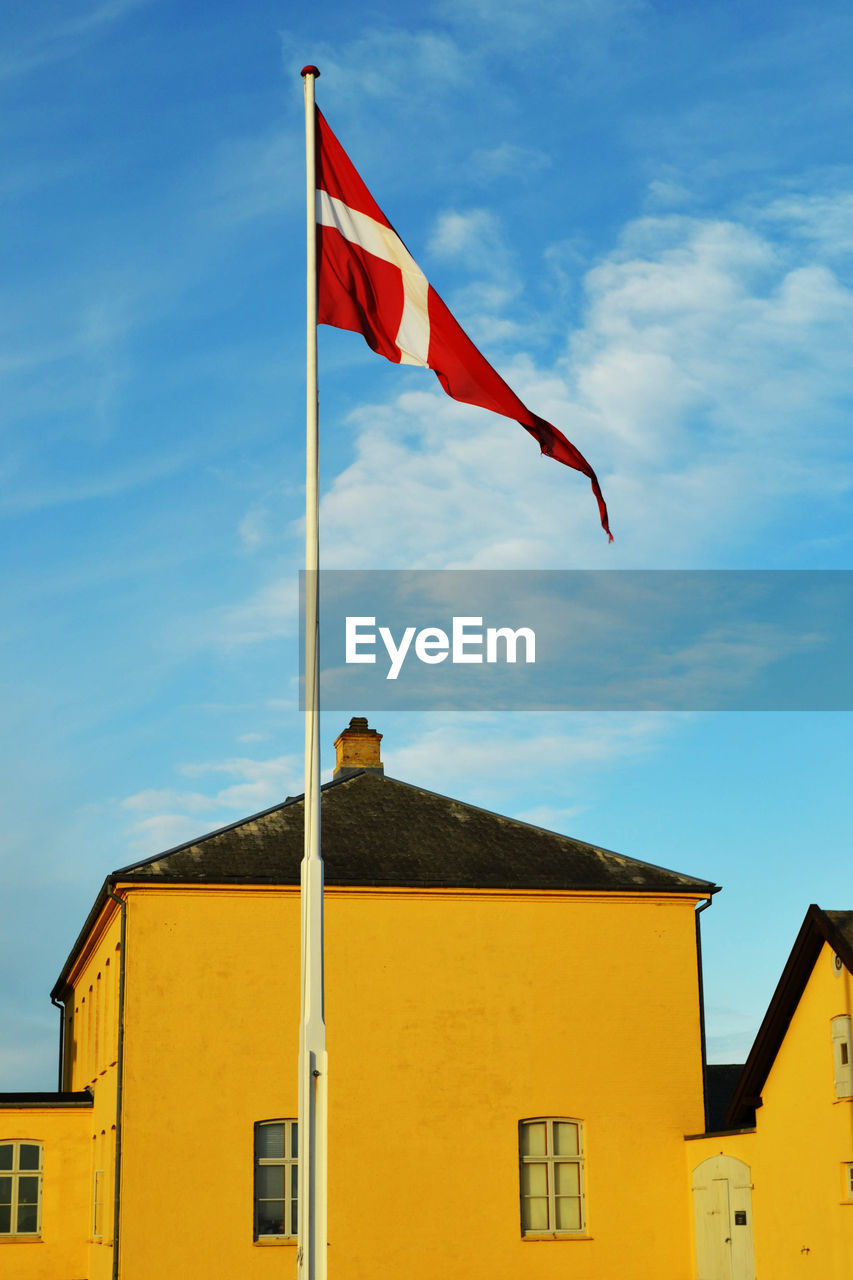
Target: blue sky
{"x":642,"y":214}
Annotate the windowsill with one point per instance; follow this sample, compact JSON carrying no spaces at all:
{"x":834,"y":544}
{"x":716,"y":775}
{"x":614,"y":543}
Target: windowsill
{"x":555,"y":1235}
{"x":275,"y":1241}
{"x":21,"y":1240}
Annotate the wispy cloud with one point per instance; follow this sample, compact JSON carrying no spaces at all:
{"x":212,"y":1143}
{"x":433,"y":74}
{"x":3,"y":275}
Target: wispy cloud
{"x":475,"y":239}
{"x":166,"y":817}
{"x":41,"y":495}
{"x":387,"y":64}
{"x":539,"y":22}
{"x":730,"y":1032}
{"x":509,"y":160}
{"x":823,"y":218}
{"x":62,"y":39}
{"x":253,"y":177}
{"x":528,"y":754}
{"x":273,"y":611}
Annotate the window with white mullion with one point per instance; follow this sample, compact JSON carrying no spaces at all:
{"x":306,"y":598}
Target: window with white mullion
{"x":98,"y":1183}
{"x":276,"y":1178}
{"x":20,"y":1188}
{"x":842,"y":1049}
{"x":551,"y":1169}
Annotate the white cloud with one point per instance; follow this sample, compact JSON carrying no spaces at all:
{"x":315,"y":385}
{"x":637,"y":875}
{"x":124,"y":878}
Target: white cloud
{"x":665,"y":193}
{"x":503,"y":770}
{"x":508,"y":160}
{"x":462,"y":481}
{"x":254,"y":528}
{"x":825,"y":218}
{"x":538,"y":20}
{"x":552,"y":817}
{"x":475,"y":234}
{"x":729,"y":1032}
{"x":172,"y":816}
{"x":387,"y":65}
{"x":160,"y":832}
{"x":705,"y":353}
{"x":260,"y":782}
{"x":271,"y":612}
{"x":718,"y":328}
{"x":475,"y":238}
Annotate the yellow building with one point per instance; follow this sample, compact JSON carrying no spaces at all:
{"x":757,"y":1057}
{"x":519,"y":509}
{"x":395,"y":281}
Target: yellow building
{"x":773,"y":1188}
{"x":515,"y":1038}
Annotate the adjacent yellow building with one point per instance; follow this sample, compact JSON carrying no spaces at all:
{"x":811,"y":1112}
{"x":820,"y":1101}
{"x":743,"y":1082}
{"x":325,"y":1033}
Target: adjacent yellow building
{"x":516,"y":1047}
{"x":773,"y":1188}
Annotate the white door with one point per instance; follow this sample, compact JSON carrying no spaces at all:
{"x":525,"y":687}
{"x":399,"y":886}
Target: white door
{"x":722,"y":1210}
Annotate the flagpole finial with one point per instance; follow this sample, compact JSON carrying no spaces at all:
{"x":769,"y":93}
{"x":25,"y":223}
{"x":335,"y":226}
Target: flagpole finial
{"x":309,"y":71}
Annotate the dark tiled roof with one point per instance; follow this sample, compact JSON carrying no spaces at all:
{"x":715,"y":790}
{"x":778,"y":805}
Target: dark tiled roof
{"x":819,"y":927}
{"x":378,"y":831}
{"x":21,"y":1101}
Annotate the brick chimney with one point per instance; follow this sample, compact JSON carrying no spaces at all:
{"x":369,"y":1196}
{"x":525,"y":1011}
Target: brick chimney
{"x":357,"y":748}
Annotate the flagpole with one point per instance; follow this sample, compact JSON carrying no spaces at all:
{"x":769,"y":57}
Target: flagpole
{"x":313,"y":1097}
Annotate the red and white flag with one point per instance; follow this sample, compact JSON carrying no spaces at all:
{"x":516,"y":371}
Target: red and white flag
{"x":368,"y":282}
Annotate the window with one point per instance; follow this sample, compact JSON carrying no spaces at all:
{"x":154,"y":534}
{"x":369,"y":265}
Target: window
{"x":98,"y":1204}
{"x":276,"y":1174}
{"x":551,"y":1171}
{"x":848,"y":1181}
{"x":20,"y":1188}
{"x":842,"y":1052}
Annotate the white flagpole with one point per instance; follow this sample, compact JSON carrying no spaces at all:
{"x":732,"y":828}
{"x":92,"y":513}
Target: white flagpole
{"x":313,"y":1097}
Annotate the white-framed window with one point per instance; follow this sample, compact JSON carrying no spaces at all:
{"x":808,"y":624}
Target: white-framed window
{"x":551,"y":1176}
{"x":276,"y":1178}
{"x":848,"y":1180}
{"x":842,"y":1055}
{"x":20,"y":1188}
{"x":98,"y":1184}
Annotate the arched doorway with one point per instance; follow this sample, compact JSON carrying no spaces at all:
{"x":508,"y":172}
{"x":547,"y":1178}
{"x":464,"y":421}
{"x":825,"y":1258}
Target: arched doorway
{"x":722,"y":1208}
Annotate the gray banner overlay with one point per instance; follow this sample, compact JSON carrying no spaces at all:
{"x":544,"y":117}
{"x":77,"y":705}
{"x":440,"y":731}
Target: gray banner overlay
{"x":586,"y":640}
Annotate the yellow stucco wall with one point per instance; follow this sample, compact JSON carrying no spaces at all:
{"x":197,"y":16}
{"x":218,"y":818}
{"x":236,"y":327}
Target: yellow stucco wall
{"x":59,"y":1253}
{"x":91,"y":1061}
{"x":451,"y":1016}
{"x":803,"y":1222}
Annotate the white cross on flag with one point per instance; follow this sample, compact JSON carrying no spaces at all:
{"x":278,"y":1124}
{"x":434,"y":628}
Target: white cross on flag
{"x":368,"y":282}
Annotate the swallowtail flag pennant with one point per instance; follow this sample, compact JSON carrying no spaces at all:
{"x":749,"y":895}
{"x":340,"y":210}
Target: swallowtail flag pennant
{"x":369,"y":282}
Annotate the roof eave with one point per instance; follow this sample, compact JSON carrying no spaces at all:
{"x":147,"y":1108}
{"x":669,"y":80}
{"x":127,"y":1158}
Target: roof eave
{"x":816,"y":930}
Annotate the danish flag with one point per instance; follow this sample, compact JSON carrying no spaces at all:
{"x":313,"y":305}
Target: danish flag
{"x":370,"y":283}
